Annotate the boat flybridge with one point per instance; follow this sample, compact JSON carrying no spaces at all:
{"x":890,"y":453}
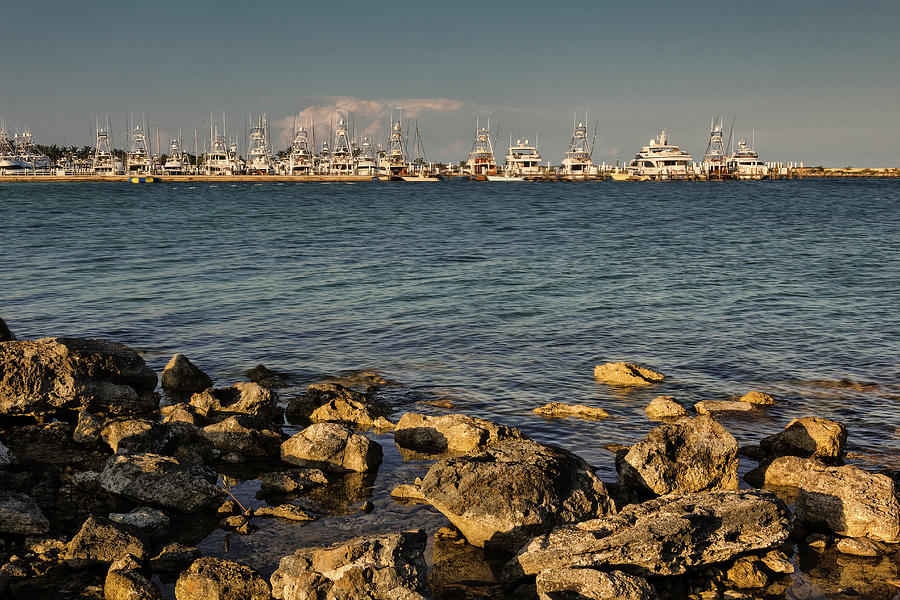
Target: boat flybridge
{"x":300,"y":161}
{"x":137,"y":160}
{"x":103,"y":161}
{"x":660,"y":160}
{"x":481,"y":161}
{"x":393,"y":165}
{"x":715,"y":161}
{"x":745,"y":163}
{"x":342,"y":160}
{"x":259,"y":160}
{"x":578,"y":164}
{"x":522,"y":160}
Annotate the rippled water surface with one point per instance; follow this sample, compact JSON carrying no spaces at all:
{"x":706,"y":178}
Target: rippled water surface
{"x":500,"y":297}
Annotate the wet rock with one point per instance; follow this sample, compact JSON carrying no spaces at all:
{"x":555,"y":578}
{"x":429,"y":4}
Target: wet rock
{"x":41,"y":377}
{"x":180,"y":413}
{"x":778,"y":562}
{"x":295,"y":480}
{"x":850,"y":502}
{"x":150,"y":523}
{"x":670,"y":535}
{"x":453,"y":433}
{"x":134,"y":436}
{"x":174,"y":558}
{"x":708,"y":407}
{"x":692,"y":455}
{"x":665,"y":407}
{"x":816,"y":541}
{"x":88,"y":429}
{"x":288,"y":512}
{"x":517,"y":489}
{"x":248,"y":436}
{"x":332,"y":448}
{"x":161,"y":481}
{"x":5,"y":334}
{"x":558,"y":584}
{"x":265,"y":376}
{"x":101,"y":540}
{"x":182,"y":376}
{"x":218,"y":579}
{"x":559,"y":409}
{"x":20,"y":514}
{"x":6,"y":456}
{"x":746,"y":573}
{"x":334,"y":403}
{"x":784,"y":471}
{"x":384,"y":566}
{"x":126,"y":581}
{"x":246,"y":398}
{"x":115,"y":431}
{"x":859,"y":547}
{"x":809,"y":437}
{"x":623,"y":373}
{"x":463,"y":571}
{"x":755,"y":397}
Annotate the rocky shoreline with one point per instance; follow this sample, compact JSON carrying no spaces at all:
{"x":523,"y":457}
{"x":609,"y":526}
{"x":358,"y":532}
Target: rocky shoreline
{"x":107,"y":485}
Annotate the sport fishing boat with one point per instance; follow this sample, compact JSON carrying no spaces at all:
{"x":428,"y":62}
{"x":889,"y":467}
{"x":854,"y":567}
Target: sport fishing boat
{"x":217,"y":160}
{"x":660,"y":160}
{"x":177,"y":162}
{"x":481,"y":161}
{"x":21,"y":153}
{"x":259,"y":160}
{"x":103,"y":161}
{"x":342,"y":160}
{"x":8,"y":159}
{"x":578,"y":164}
{"x":745,"y":163}
{"x":300,"y":161}
{"x":366,"y":163}
{"x":393,"y":165}
{"x":715,"y":161}
{"x":137,"y":160}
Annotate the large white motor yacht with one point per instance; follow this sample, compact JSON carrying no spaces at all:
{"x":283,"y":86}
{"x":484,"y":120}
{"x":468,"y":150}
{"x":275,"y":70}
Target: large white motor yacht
{"x":745,"y":163}
{"x":522,"y":160}
{"x":661,"y":160}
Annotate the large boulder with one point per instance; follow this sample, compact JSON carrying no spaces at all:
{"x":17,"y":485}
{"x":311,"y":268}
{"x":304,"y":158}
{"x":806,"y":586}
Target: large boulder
{"x":332,"y":402}
{"x":149,"y":523}
{"x":692,"y":455}
{"x":160,"y":481}
{"x":628,"y":374}
{"x":382,"y":566}
{"x":244,"y":397}
{"x":218,"y":579}
{"x":670,"y":535}
{"x":182,"y":376}
{"x":784,"y":471}
{"x":42,"y":377}
{"x":590,"y":584}
{"x":5,"y":334}
{"x":514,"y":490}
{"x":450,"y":433}
{"x":126,"y":581}
{"x":131,"y":436}
{"x":244,"y":435}
{"x":851,"y":502}
{"x":20,"y":514}
{"x":103,"y":540}
{"x":332,"y":448}
{"x":809,"y":437}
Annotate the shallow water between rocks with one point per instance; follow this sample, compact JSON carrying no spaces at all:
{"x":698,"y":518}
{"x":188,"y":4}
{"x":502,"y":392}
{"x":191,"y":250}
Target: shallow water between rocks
{"x":496,"y":297}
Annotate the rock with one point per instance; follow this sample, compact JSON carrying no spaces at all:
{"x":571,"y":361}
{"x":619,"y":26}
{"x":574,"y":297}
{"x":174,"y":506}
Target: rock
{"x":332,"y":448}
{"x":454,"y":433}
{"x":778,"y":562}
{"x":859,"y":547}
{"x":180,"y":413}
{"x":101,"y":540}
{"x":249,"y":436}
{"x":850,"y":502}
{"x":5,"y":334}
{"x":708,"y":407}
{"x":246,"y":398}
{"x":809,"y":437}
{"x":755,"y":397}
{"x":665,"y":407}
{"x":125,"y":581}
{"x":746,"y":573}
{"x":332,"y":402}
{"x":382,"y":566}
{"x":559,"y":584}
{"x":182,"y":376}
{"x":295,"y":480}
{"x":136,"y":436}
{"x":41,"y":377}
{"x":784,"y":471}
{"x":88,"y":429}
{"x":623,"y":373}
{"x":670,"y":535}
{"x":6,"y":456}
{"x":218,"y":579}
{"x":174,"y":558}
{"x":559,"y":409}
{"x":115,"y":431}
{"x":20,"y":514}
{"x":288,"y":512}
{"x":150,"y":523}
{"x":512,"y":491}
{"x":816,"y":541}
{"x":161,"y":481}
{"x":265,"y":376}
{"x":692,"y":455}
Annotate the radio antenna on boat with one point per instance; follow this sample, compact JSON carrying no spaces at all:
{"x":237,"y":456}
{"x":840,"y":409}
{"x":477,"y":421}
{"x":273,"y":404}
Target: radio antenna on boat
{"x":594,"y":139}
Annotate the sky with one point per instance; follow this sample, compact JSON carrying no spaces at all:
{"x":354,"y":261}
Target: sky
{"x":812,"y":81}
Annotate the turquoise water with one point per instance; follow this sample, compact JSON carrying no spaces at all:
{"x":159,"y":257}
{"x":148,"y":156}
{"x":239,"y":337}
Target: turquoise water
{"x":499,"y":296}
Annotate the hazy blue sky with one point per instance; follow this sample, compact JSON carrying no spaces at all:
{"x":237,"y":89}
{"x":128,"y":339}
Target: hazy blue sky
{"x":819,"y":80}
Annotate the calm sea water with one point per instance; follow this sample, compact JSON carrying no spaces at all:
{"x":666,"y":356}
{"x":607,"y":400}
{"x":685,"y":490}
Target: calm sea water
{"x":501,"y":297}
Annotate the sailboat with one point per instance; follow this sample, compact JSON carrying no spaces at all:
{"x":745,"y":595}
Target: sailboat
{"x":418,"y":168}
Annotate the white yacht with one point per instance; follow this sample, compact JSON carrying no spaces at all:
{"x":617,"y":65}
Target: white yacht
{"x":217,"y":160}
{"x":25,"y":153}
{"x":715,"y":161}
{"x":392,"y":166}
{"x":522,"y":160}
{"x":137,"y":160}
{"x":300,"y":160}
{"x":660,"y":160}
{"x":745,"y":163}
{"x":342,"y":160}
{"x":481,"y":161}
{"x":366,"y":163}
{"x":8,"y":159}
{"x":259,"y":160}
{"x":103,"y":161}
{"x":578,"y":164}
{"x":177,"y":161}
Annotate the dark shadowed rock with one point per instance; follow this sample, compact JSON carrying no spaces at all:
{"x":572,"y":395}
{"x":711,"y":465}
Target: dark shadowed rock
{"x":174,"y":557}
{"x":265,"y":376}
{"x":102,"y":540}
{"x":670,"y":535}
{"x":627,"y":374}
{"x":809,"y":437}
{"x":453,"y":433}
{"x":20,"y":514}
{"x":116,"y":430}
{"x":161,"y":481}
{"x":383,"y":566}
{"x":148,"y":523}
{"x":332,"y":448}
{"x":243,"y":434}
{"x":692,"y":455}
{"x":183,"y":377}
{"x":88,"y":429}
{"x":218,"y":579}
{"x":294,"y":480}
{"x":332,"y":402}
{"x":135,"y":436}
{"x":665,"y":407}
{"x":126,"y":581}
{"x":747,"y":573}
{"x":514,"y":490}
{"x":590,"y":584}
{"x":6,"y":456}
{"x":244,"y":397}
{"x":5,"y":334}
{"x":42,"y":377}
